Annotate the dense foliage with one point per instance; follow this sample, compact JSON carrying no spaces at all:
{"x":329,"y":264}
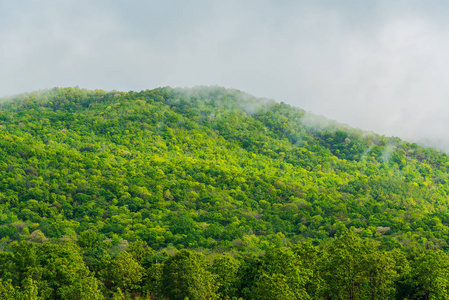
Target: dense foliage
{"x":214,"y":170}
{"x":346,"y":267}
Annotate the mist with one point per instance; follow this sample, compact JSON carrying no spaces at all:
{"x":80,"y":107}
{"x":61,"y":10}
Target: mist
{"x":380,"y":66}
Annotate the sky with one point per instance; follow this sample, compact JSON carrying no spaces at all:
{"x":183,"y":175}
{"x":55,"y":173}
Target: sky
{"x":381,"y":66}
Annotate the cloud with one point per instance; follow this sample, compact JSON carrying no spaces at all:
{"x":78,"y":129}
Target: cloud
{"x":376,"y":65}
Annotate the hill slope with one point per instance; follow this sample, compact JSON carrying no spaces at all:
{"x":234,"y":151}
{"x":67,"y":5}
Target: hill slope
{"x":208,"y":167}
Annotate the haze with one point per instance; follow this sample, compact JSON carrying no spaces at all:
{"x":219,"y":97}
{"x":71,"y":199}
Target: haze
{"x":381,"y":66}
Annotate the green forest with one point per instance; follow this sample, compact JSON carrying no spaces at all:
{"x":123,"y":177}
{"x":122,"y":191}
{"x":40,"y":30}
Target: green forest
{"x":211,"y":193}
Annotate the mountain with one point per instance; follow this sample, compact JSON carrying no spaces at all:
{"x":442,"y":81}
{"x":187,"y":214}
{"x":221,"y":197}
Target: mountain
{"x":211,"y":193}
{"x":208,"y":167}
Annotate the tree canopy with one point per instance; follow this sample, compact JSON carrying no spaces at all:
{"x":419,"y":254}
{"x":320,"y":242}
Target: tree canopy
{"x":108,"y":189}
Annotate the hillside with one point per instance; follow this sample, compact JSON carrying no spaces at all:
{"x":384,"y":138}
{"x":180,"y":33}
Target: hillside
{"x":208,"y":167}
{"x":209,"y":193}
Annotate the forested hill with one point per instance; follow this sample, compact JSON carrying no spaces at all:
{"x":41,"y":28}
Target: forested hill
{"x":209,"y":193}
{"x":208,"y":167}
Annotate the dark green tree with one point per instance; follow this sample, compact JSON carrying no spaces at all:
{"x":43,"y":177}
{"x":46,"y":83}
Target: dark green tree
{"x":186,"y":275}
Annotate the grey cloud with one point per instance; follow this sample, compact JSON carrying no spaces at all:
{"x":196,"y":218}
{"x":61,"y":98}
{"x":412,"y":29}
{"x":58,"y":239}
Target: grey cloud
{"x":377,"y":65}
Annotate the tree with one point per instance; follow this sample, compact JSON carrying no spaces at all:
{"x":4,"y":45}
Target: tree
{"x":28,"y":292}
{"x":66,"y":274}
{"x":226,"y":267}
{"x":89,"y":240}
{"x":185,"y":275}
{"x":126,"y":273}
{"x":310,"y":257}
{"x":275,"y":287}
{"x":7,"y":291}
{"x":140,"y":251}
{"x":57,"y":270}
{"x":428,"y":277}
{"x":354,"y":269}
{"x":283,"y":276}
